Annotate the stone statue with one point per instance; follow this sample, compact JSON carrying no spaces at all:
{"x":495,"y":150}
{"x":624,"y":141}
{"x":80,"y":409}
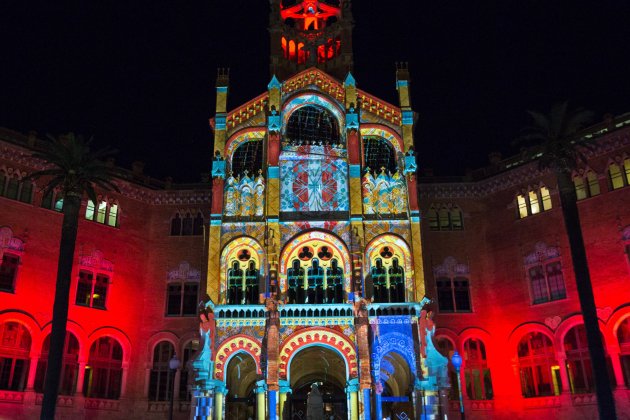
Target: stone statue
{"x":314,"y":404}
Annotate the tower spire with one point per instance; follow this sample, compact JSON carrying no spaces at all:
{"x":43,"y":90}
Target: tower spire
{"x":310,"y":33}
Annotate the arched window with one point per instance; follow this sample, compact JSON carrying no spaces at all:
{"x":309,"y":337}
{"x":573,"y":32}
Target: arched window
{"x":623,"y":336}
{"x":309,"y":281}
{"x":190,"y":350}
{"x":247,"y":157}
{"x":544,"y":270}
{"x":103,"y":374}
{"x":14,"y":356}
{"x":378,"y":153}
{"x":187,"y":225}
{"x":69,"y":369}
{"x":446,"y":349}
{"x":476,"y":371}
{"x":445,"y":217}
{"x":533,"y":202}
{"x":198,"y":224}
{"x":388,"y":277}
{"x":617,"y":177}
{"x":586,"y":185}
{"x":176,"y":225}
{"x":312,"y":125}
{"x":235,"y":284}
{"x":539,"y":371}
{"x":453,"y":286}
{"x":244,"y":280}
{"x":92,"y":289}
{"x":579,"y":368}
{"x":48,"y":203}
{"x":160,"y":381}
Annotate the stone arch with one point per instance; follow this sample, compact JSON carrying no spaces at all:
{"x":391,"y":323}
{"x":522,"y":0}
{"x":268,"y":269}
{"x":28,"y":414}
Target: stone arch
{"x":318,"y":337}
{"x":116,"y":334}
{"x":614,"y":322}
{"x":229,"y":254}
{"x":31,"y":325}
{"x":398,"y":343}
{"x":157,"y":338}
{"x":519,"y":332}
{"x":400,"y":247}
{"x":75,"y":329}
{"x":479,"y":334}
{"x":313,"y":98}
{"x":566,"y":326}
{"x":241,"y":137}
{"x":384,"y":132}
{"x":229,"y":348}
{"x":313,"y":237}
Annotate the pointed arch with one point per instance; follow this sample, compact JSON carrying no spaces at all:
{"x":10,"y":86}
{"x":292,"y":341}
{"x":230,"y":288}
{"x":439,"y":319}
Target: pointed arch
{"x":230,"y":254}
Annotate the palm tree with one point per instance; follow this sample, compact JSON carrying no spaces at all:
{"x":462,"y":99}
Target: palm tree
{"x":561,"y":150}
{"x":74,"y":170}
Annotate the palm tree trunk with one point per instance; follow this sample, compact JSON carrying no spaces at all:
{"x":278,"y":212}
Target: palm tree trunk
{"x":568,"y":199}
{"x":71,"y":206}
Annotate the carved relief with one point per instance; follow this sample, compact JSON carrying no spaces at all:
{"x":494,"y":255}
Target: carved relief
{"x":385,"y":194}
{"x":245,"y":197}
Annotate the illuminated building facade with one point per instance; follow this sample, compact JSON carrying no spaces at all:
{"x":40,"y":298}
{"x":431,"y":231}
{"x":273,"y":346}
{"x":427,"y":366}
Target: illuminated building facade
{"x":316,"y":240}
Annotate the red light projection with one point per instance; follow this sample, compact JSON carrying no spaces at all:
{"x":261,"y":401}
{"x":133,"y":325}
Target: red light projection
{"x":310,"y":14}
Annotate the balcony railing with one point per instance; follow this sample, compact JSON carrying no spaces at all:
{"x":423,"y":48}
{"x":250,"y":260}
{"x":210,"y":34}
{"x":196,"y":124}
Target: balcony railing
{"x":102,"y":404}
{"x":11,"y":396}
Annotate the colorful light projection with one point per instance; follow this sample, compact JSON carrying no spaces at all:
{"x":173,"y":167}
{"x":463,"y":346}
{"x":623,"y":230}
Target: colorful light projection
{"x":396,"y":248}
{"x":328,"y":338}
{"x":386,"y":133}
{"x":233,"y":252}
{"x":242,"y":136}
{"x":230,"y":348}
{"x":315,"y":241}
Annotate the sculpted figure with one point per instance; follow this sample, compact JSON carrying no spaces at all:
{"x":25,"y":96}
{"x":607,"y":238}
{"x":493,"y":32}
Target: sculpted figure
{"x":314,"y":404}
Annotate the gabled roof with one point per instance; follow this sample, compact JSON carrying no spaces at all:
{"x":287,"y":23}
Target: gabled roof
{"x":324,"y":82}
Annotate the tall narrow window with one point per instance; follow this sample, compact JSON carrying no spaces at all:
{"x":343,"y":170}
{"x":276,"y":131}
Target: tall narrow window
{"x":12,"y":188}
{"x":626,"y":170}
{"x":176,"y":225}
{"x":432,"y":218}
{"x":103,"y":375}
{"x":89,"y":210}
{"x":8,"y":272}
{"x":615,"y":176}
{"x":593,"y":183}
{"x":545,"y":198}
{"x":580,"y":188}
{"x":26,"y":191}
{"x":3,"y":181}
{"x":69,"y":369}
{"x":534,"y":206}
{"x":378,"y":153}
{"x":14,"y":356}
{"x":112,"y":218}
{"x":187,"y":225}
{"x":539,"y":371}
{"x":522,"y":206}
{"x":198,"y":224}
{"x":160,"y":381}
{"x":476,"y":372}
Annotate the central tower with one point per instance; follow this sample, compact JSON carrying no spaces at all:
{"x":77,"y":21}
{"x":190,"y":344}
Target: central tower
{"x":310,"y":33}
{"x":315,"y":259}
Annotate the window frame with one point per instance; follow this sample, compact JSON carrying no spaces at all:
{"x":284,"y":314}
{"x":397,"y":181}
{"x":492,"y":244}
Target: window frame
{"x":96,"y":278}
{"x":525,"y":205}
{"x":102,"y":214}
{"x":544,"y":266}
{"x":181,"y":285}
{"x":16,"y":268}
{"x":479,"y":364}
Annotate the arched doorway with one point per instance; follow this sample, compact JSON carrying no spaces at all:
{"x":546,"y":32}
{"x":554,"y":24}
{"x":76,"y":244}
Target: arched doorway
{"x":240,"y":378}
{"x":397,"y":385}
{"x":324,"y":367}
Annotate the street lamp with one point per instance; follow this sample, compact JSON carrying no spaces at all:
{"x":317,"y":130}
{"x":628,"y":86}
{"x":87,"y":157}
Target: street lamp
{"x":456,"y":360}
{"x":173,"y":365}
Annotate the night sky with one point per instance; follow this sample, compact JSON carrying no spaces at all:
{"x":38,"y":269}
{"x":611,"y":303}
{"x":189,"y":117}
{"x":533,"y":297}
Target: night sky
{"x":139,"y":75}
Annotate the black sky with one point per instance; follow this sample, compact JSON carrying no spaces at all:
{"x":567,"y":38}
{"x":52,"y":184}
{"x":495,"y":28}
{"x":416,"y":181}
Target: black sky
{"x":139,"y":75}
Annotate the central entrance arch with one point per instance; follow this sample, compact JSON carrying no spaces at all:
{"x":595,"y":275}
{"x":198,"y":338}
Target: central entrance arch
{"x":325,"y":367}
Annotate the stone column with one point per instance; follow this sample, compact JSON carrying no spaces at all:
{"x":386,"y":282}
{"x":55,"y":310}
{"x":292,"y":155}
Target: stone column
{"x":367,"y":404}
{"x":284,"y":389}
{"x":260,"y":400}
{"x":80,"y":378}
{"x":219,"y":398}
{"x":352,"y":390}
{"x":32,"y":371}
{"x":564,"y":376}
{"x":614,"y":353}
{"x":123,"y":382}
